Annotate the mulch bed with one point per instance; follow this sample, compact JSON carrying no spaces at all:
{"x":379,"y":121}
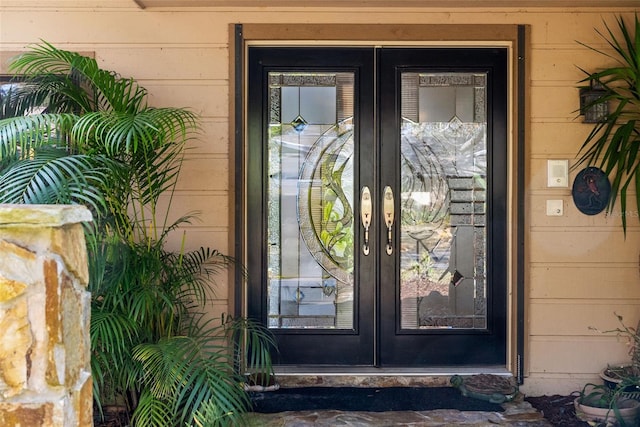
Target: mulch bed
{"x":114,"y":416}
{"x":557,"y":409}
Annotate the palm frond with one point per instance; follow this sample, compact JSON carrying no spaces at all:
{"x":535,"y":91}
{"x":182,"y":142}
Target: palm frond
{"x":53,"y":177}
{"x":112,"y":336}
{"x":127,"y":132}
{"x":151,"y":412}
{"x":20,"y":135}
{"x":11,"y":100}
{"x":44,"y":58}
{"x":252,"y":343}
{"x":613,"y":143}
{"x":185,"y":373}
{"x":200,"y":266}
{"x":60,"y":74}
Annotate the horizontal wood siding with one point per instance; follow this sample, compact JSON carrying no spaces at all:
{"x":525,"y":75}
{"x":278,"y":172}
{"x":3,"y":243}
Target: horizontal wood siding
{"x":579,"y":269}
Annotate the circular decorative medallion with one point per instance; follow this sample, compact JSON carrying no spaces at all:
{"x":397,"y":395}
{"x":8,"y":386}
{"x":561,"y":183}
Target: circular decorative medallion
{"x":325,"y":198}
{"x":591,"y":190}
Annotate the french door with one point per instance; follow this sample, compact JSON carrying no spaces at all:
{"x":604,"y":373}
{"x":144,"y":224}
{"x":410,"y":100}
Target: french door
{"x":376,"y":187}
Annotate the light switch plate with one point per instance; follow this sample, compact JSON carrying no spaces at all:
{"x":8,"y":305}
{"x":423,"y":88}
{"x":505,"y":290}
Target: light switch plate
{"x":557,"y":173}
{"x":555,"y":207}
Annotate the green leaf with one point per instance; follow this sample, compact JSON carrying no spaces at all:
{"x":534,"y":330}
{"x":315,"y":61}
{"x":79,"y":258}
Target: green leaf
{"x":89,"y":137}
{"x":613,"y":143}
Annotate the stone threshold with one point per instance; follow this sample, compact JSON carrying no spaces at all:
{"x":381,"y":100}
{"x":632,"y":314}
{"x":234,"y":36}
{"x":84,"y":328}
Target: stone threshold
{"x":376,"y":377}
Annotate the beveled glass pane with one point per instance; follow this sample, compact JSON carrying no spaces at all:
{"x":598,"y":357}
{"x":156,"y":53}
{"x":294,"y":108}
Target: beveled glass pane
{"x":443,"y":185}
{"x":310,"y":199}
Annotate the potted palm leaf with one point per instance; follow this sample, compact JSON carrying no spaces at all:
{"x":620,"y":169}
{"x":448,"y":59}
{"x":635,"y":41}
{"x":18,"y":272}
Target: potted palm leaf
{"x":72,"y":132}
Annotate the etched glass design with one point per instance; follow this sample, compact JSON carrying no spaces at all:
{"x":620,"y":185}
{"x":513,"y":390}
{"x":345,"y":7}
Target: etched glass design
{"x":310,"y":199}
{"x":443,"y":201}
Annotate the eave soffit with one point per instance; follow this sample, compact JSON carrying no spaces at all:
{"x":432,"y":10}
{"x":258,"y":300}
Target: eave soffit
{"x":451,"y":4}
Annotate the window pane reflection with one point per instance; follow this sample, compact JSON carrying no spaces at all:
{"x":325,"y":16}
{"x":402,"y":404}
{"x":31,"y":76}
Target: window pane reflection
{"x":443,"y":236}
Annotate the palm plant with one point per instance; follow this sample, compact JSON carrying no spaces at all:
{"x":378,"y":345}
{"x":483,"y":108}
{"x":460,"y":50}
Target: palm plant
{"x":614,"y":142}
{"x":74,"y":133}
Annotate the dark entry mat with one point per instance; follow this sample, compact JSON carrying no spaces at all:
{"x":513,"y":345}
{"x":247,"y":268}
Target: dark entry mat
{"x":367,"y":399}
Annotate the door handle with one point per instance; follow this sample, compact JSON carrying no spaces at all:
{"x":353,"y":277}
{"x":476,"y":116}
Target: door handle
{"x":366,"y":210}
{"x":388,"y":209}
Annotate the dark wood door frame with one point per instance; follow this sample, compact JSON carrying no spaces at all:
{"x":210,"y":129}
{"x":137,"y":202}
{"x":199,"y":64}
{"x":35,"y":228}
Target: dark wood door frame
{"x":513,"y":36}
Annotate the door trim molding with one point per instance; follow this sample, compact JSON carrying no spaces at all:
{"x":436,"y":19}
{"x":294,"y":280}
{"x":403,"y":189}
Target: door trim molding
{"x":513,"y":35}
{"x":445,"y":33}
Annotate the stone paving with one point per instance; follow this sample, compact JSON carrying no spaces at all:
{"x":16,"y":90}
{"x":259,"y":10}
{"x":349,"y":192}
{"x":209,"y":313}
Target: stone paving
{"x":518,"y":413}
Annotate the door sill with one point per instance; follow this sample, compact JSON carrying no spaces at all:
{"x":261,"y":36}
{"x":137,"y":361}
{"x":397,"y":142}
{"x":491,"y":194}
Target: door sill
{"x":366,"y":376}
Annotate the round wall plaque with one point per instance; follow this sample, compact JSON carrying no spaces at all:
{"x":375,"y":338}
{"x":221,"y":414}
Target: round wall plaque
{"x":591,"y":190}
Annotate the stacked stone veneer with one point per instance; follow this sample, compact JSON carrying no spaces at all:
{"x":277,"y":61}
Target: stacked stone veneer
{"x":45,"y":376}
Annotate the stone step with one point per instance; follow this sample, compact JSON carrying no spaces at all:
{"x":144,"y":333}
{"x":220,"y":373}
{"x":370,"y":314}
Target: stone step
{"x":517,"y":413}
{"x":346,"y":380}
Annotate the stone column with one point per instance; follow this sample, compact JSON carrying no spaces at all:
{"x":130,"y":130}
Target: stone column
{"x":45,"y":373}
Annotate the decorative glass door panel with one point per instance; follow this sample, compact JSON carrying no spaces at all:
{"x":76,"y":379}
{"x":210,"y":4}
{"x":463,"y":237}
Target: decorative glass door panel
{"x":443,"y":184}
{"x":307,"y":131}
{"x":375,"y":204}
{"x":311,"y":213}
